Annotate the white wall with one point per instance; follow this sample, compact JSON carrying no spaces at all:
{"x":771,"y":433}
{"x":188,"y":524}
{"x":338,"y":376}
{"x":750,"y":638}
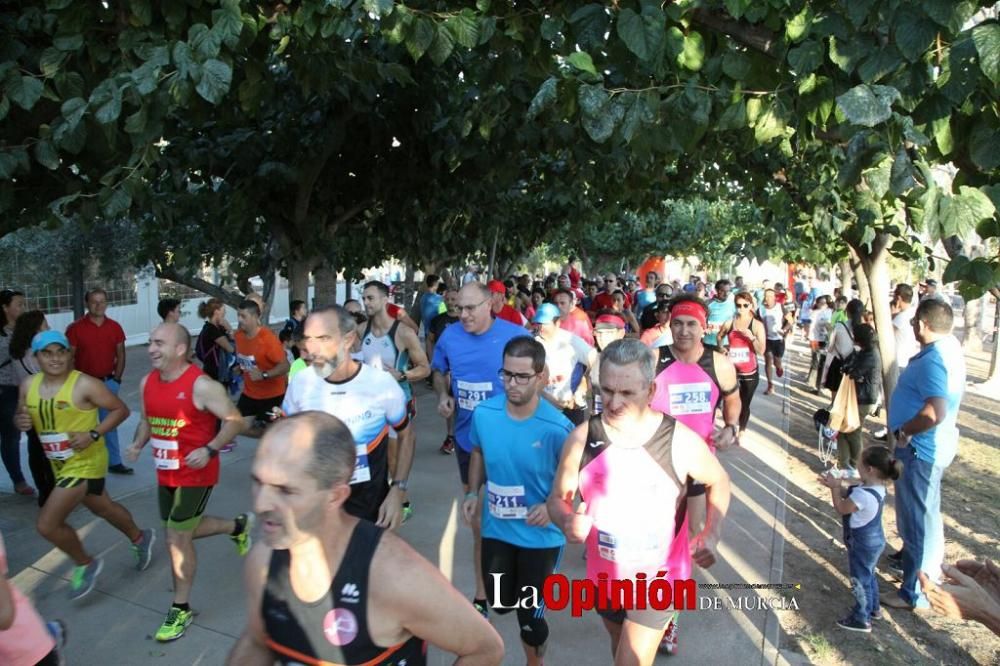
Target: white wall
{"x":140,"y":318}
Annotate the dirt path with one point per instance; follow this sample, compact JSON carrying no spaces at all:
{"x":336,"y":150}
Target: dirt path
{"x":816,"y":557}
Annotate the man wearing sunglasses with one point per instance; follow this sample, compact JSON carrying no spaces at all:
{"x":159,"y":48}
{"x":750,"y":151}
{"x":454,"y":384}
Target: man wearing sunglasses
{"x":647,"y":319}
{"x":472,"y":353}
{"x":517,"y":439}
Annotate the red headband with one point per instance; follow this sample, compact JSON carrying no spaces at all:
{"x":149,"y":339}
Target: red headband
{"x":690,"y":309}
{"x":615,"y":320}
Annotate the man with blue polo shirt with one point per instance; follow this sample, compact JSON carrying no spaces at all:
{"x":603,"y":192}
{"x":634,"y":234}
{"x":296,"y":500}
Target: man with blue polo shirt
{"x":923,"y":415}
{"x":472,"y":353}
{"x":517,"y":441}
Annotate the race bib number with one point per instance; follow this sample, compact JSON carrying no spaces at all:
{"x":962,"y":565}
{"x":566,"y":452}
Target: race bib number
{"x":362,"y":472}
{"x":739,"y":354}
{"x":640,"y":547}
{"x":56,"y":446}
{"x":506,"y":502}
{"x":471,"y":394}
{"x":166,"y":454}
{"x":695,"y":398}
{"x":246,"y":362}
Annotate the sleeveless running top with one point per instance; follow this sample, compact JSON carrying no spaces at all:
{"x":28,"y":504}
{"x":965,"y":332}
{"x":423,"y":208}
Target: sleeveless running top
{"x":177,"y":428}
{"x":626,"y":488}
{"x":334,"y":630}
{"x":381,"y":352}
{"x":741,"y":351}
{"x":53,"y":418}
{"x":689,"y":392}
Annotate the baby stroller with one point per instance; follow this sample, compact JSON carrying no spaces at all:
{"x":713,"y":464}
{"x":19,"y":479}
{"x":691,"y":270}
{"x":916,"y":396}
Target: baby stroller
{"x":826,"y":437}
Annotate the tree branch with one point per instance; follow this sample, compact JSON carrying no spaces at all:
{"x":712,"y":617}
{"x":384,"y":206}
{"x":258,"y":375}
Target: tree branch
{"x":752,"y":36}
{"x":232,"y":298}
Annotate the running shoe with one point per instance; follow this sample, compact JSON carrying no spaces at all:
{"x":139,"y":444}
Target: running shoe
{"x":242,"y":538}
{"x":84,"y":578}
{"x":143,"y":551}
{"x":668,"y":644}
{"x":853,"y":625}
{"x":228,"y":447}
{"x":481,"y":607}
{"x":895,"y":569}
{"x":175,"y":625}
{"x":449,"y":446}
{"x":24,"y":489}
{"x":407,"y":511}
{"x":877,"y":614}
{"x":895,"y":558}
{"x":780,"y":372}
{"x":57,"y":630}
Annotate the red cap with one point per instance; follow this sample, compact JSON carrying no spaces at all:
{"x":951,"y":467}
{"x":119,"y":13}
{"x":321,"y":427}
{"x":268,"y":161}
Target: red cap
{"x":496,"y":286}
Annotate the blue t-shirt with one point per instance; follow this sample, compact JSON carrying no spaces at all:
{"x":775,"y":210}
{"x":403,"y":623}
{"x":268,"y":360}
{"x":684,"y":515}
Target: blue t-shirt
{"x":719,"y":312}
{"x":938,"y":371}
{"x":429,"y":308}
{"x":521,"y":458}
{"x":645,"y":297}
{"x":473,"y":361}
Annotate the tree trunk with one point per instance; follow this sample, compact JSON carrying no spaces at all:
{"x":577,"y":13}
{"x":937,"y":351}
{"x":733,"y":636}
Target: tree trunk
{"x":325,"y":279}
{"x":231,"y":298}
{"x":298,"y":281}
{"x":994,"y":374}
{"x":876,"y":273}
{"x":270,"y":280}
{"x":493,"y":253}
{"x":864,"y":292}
{"x":408,"y":296}
{"x":971,"y":339}
{"x":844,"y":271}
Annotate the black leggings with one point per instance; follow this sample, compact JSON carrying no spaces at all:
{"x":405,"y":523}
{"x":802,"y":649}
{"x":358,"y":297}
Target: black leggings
{"x":41,"y":468}
{"x":517,"y":567}
{"x":748,"y":386}
{"x":10,"y":436}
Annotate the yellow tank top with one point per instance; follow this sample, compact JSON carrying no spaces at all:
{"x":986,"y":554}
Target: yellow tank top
{"x":53,"y":418}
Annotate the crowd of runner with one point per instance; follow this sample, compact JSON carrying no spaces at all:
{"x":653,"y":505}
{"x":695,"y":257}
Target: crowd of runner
{"x":580,"y":411}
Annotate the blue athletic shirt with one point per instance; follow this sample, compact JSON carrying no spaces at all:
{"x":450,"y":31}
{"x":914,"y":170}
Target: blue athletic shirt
{"x":521,"y":458}
{"x":719,"y":312}
{"x":473,"y":361}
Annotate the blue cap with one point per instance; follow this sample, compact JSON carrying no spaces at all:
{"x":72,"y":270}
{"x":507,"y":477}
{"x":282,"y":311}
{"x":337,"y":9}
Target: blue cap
{"x":546,"y":314}
{"x":46,"y":338}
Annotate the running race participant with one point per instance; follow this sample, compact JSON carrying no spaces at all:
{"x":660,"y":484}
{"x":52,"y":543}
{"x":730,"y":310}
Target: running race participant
{"x":25,"y":638}
{"x":327,"y":588}
{"x":658,"y":335}
{"x":369,"y":401}
{"x":746,"y":337}
{"x":181,"y":407}
{"x":627,"y":465}
{"x":439,"y":323}
{"x":62,"y":406}
{"x":396,"y":349}
{"x":647,"y":318}
{"x":567,"y":358}
{"x":721,"y":309}
{"x":262,"y":361}
{"x":778,"y":326}
{"x":572,"y":318}
{"x":472,"y":354}
{"x":499,"y":306}
{"x":608,"y":327}
{"x":517,"y":440}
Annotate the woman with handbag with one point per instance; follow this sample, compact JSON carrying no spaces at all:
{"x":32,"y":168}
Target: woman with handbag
{"x":841,"y":345}
{"x":864,"y":367}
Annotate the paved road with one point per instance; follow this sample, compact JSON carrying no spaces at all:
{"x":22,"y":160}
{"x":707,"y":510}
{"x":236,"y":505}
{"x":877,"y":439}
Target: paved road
{"x":115,"y":624}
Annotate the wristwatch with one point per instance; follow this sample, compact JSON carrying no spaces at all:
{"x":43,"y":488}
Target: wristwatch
{"x":94,"y":435}
{"x":265,"y":375}
{"x":402,"y":484}
{"x":211,"y":452}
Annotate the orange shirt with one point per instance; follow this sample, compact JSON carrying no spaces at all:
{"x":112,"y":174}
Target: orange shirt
{"x":263,"y":351}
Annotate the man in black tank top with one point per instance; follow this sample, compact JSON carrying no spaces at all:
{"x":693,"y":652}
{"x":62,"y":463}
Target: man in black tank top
{"x":324,"y":587}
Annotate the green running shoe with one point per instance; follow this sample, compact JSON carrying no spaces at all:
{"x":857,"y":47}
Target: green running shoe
{"x":175,"y":625}
{"x":407,"y":511}
{"x":84,"y":578}
{"x":242,"y":538}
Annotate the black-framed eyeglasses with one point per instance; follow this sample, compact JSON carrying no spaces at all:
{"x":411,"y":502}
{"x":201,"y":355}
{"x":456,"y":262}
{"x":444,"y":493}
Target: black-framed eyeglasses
{"x":743,"y":305}
{"x":520,"y":378}
{"x":663,"y":294}
{"x":470,"y":308}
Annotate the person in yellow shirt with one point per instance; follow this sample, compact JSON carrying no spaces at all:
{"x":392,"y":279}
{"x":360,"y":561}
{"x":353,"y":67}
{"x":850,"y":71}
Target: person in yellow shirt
{"x":61,"y":405}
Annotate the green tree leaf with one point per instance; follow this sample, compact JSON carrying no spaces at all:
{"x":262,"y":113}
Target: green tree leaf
{"x":643,"y":35}
{"x":880,"y":64}
{"x":952,"y":14}
{"x":442,"y":46}
{"x":984,"y":144}
{"x":50,"y":61}
{"x":379,"y":8}
{"x":769,"y":125}
{"x":693,"y":55}
{"x":987,"y":40}
{"x":903,"y":177}
{"x":846,"y":54}
{"x":582,"y":61}
{"x":805,"y":58}
{"x":106,"y":101}
{"x":736,"y":65}
{"x":868,"y":105}
{"x":204,"y":41}
{"x":68,"y":42}
{"x":878,"y":177}
{"x":114,"y":201}
{"x":600,"y":116}
{"x":913,"y":34}
{"x":590,"y":22}
{"x":960,"y":213}
{"x":956,"y":269}
{"x":73,"y":110}
{"x":8,"y":165}
{"x":544,"y":98}
{"x":46,"y":155}
{"x":464,"y":29}
{"x":216,"y":77}
{"x":419,"y":37}
{"x":25,"y":91}
{"x":799,"y":26}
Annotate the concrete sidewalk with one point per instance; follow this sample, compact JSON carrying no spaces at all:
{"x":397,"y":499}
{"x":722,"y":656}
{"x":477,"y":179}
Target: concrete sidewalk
{"x":115,"y":624}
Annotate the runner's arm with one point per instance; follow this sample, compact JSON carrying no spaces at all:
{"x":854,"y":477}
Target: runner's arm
{"x":449,"y":622}
{"x":693,"y":459}
{"x":211,"y":396}
{"x":22,"y":419}
{"x":251,"y":648}
{"x":224,"y":342}
{"x":567,"y":479}
{"x":119,"y":362}
{"x":94,"y":392}
{"x":421,"y":366}
{"x":142,"y":431}
{"x":726,"y":373}
{"x":405,"y":319}
{"x":759,"y":336}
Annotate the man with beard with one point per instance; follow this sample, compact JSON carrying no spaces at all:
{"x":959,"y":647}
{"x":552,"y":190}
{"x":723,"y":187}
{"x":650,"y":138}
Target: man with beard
{"x":327,"y":588}
{"x":369,"y":402}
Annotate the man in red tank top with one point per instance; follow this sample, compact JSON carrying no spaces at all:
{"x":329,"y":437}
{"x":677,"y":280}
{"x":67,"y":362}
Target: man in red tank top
{"x":181,"y":411}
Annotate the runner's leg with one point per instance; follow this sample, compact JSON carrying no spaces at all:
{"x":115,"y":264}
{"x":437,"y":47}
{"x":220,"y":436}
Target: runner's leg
{"x":52,"y":525}
{"x":104,"y":507}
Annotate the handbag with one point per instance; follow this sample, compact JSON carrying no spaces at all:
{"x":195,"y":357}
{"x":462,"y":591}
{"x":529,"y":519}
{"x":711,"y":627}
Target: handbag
{"x":844,"y":415}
